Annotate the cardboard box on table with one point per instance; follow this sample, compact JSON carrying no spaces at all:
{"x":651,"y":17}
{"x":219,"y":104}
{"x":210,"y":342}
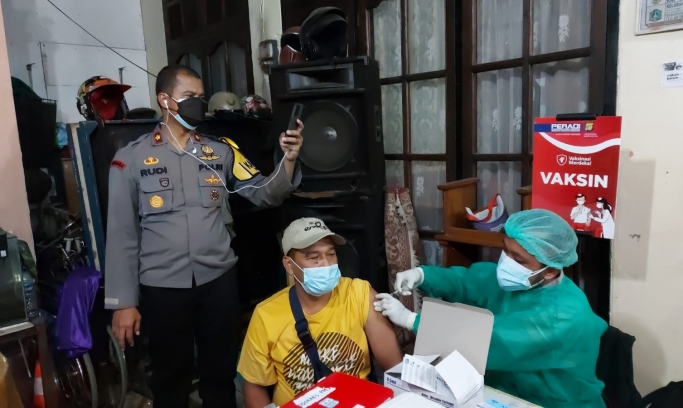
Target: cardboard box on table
{"x":445,"y":328}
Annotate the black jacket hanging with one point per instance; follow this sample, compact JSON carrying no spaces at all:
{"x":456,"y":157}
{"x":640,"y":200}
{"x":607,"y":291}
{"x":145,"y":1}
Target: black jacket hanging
{"x":615,"y":369}
{"x":670,"y":396}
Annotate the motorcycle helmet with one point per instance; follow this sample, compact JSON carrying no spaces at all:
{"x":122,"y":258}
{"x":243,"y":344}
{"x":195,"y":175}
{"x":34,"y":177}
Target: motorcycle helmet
{"x":101,"y":98}
{"x":290,"y":46}
{"x":323,"y":34}
{"x":224,"y":101}
{"x":256,"y":107}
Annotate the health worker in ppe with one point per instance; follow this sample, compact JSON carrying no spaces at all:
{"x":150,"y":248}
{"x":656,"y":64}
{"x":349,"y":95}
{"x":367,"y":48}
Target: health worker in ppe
{"x":545,"y":342}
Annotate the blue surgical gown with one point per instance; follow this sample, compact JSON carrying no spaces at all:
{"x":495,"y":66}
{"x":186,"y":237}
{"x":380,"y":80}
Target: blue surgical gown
{"x":545,"y":341}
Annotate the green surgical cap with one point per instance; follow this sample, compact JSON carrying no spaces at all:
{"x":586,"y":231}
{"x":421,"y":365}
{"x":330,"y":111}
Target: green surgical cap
{"x":544,"y":235}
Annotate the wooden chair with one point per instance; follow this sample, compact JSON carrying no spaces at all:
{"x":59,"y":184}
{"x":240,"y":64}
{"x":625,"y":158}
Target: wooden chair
{"x":459,"y":239}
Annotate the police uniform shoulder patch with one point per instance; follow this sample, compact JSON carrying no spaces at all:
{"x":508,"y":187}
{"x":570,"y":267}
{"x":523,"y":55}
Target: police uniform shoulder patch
{"x":118,"y":164}
{"x":242,"y":168}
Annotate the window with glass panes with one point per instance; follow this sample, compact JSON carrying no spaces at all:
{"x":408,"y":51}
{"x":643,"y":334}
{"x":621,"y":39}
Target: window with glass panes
{"x":225,"y":68}
{"x":524,"y":59}
{"x":408,"y":39}
{"x":211,"y":37}
{"x":518,"y":60}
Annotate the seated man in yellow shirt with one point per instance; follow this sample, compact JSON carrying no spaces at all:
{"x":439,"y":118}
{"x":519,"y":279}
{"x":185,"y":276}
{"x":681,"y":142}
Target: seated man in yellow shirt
{"x":340,"y":318}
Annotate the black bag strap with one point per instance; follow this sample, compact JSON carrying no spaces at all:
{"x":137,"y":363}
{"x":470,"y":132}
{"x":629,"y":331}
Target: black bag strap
{"x":320,"y":370}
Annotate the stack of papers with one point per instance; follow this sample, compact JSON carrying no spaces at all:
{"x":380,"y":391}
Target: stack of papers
{"x":460,"y":376}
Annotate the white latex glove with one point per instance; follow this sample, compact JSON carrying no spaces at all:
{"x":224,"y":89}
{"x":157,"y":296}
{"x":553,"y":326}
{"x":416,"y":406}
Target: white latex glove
{"x":408,"y":280}
{"x":393,"y":309}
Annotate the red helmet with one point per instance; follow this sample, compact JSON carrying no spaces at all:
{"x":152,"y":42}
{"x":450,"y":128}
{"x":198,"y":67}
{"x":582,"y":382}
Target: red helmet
{"x":102,"y":98}
{"x":257,"y":107}
{"x":290,"y":46}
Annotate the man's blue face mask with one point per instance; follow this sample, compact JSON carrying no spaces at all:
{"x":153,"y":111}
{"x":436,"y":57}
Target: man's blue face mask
{"x":319,"y":281}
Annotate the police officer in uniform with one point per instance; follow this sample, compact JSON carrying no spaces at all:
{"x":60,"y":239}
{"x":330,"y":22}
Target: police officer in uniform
{"x":168,"y":243}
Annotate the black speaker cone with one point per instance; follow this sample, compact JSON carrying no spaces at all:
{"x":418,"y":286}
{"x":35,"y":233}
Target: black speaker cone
{"x":330,"y":136}
{"x":347,"y":256}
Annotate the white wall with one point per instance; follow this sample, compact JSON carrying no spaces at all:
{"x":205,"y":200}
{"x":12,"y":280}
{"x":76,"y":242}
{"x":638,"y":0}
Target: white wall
{"x":272,"y":23}
{"x":155,"y":43}
{"x":14,"y":213}
{"x":647,"y":285}
{"x":64,"y":55}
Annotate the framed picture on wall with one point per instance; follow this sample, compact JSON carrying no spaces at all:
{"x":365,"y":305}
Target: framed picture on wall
{"x":656,"y":16}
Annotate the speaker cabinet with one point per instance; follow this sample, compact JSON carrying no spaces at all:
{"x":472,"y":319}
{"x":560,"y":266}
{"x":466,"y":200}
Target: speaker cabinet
{"x":343,"y":151}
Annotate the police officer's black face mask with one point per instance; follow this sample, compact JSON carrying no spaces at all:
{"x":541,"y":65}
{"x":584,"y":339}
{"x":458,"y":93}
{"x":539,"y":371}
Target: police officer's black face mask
{"x":190,"y":112}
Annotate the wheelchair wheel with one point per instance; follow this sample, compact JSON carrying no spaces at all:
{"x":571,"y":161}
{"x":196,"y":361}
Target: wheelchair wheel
{"x":112,"y":374}
{"x":78,"y":381}
{"x":117,"y":359}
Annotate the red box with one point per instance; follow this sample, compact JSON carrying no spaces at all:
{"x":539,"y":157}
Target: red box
{"x":342,"y":391}
{"x":576,"y":169}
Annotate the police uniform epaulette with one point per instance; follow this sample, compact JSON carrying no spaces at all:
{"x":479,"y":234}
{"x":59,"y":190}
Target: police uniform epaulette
{"x":131,"y":145}
{"x":136,"y":141}
{"x":211,"y":137}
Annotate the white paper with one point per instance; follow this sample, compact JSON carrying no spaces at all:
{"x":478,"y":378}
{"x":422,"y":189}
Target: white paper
{"x":672,"y":73}
{"x":419,"y":373}
{"x":462,"y":378}
{"x":313,"y":396}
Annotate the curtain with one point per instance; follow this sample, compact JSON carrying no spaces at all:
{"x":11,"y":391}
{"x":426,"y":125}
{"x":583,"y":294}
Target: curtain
{"x":402,"y":245}
{"x":426,"y":53}
{"x":558,"y":87}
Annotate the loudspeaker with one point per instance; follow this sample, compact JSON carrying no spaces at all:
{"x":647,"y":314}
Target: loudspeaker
{"x":359,"y":219}
{"x":343,"y":151}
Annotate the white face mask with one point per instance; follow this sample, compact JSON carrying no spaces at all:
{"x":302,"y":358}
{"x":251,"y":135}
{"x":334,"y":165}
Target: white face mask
{"x":580,"y":202}
{"x":599,"y":205}
{"x":512,"y":276}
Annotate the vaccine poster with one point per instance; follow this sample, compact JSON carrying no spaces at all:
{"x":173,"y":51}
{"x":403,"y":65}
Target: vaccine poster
{"x":576,"y":170}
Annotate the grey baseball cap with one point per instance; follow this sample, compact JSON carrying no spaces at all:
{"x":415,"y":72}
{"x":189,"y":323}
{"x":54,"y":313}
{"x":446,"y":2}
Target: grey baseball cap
{"x":305,"y":232}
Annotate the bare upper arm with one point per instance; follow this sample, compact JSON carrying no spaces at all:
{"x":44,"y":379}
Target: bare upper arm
{"x":382,"y":337}
{"x":255,"y":396}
